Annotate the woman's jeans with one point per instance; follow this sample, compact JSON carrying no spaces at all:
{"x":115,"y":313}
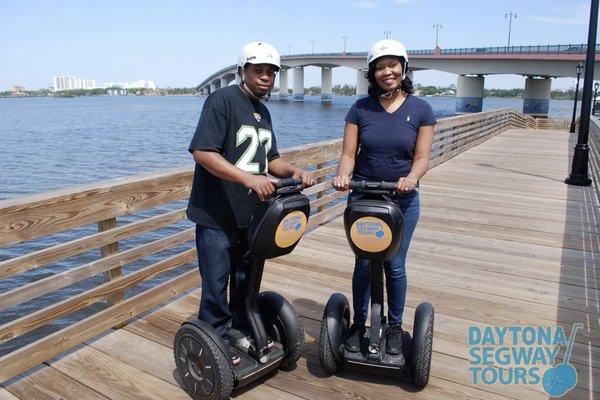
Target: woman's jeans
{"x":223,"y":255}
{"x":395,"y":269}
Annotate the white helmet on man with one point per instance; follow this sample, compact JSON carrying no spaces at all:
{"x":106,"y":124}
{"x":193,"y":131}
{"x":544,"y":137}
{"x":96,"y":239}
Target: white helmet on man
{"x":259,"y":53}
{"x":389,"y":47}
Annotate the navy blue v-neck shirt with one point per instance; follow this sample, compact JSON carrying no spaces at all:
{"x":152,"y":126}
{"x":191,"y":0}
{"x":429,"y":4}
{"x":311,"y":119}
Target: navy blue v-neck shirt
{"x":387,"y":140}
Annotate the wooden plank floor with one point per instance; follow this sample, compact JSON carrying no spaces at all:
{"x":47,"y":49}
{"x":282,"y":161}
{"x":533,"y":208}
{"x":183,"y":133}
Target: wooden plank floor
{"x":501,"y":241}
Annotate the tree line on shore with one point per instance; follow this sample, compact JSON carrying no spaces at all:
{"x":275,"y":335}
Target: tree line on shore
{"x":340,"y":90}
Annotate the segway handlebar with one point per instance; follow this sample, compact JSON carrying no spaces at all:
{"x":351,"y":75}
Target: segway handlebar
{"x":368,"y":185}
{"x":281,"y":183}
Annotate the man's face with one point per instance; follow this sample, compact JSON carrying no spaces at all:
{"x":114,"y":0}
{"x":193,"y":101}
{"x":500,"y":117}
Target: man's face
{"x":260,"y":78}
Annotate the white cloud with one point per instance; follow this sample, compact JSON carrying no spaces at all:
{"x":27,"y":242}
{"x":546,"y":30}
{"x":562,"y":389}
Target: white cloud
{"x":364,"y":4}
{"x":577,"y":14}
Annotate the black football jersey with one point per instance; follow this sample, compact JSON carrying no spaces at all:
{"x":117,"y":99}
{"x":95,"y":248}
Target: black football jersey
{"x":239,"y":129}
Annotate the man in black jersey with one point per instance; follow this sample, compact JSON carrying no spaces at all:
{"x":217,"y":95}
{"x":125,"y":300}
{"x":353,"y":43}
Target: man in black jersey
{"x":234,"y":149}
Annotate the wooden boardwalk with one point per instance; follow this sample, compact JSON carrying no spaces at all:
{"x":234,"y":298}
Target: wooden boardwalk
{"x":501,"y":241}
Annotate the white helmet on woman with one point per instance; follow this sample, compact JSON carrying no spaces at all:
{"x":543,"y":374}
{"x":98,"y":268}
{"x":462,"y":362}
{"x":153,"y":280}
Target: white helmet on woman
{"x":389,"y":47}
{"x":259,"y":53}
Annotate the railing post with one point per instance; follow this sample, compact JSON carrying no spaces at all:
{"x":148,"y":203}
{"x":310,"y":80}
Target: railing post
{"x":320,"y":180}
{"x":108,"y":250}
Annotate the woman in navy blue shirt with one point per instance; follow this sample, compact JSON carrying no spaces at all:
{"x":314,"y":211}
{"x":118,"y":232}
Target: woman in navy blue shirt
{"x":387,"y":137}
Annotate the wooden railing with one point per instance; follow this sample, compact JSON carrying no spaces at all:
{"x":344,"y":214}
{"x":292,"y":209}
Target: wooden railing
{"x":157,"y":202}
{"x":594,"y":154}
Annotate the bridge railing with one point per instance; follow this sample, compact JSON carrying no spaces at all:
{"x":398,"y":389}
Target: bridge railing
{"x":540,"y":49}
{"x":79,"y":261}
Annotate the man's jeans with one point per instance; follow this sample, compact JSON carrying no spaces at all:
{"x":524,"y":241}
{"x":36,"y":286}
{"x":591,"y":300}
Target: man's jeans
{"x":395,"y":269}
{"x":223,"y":256}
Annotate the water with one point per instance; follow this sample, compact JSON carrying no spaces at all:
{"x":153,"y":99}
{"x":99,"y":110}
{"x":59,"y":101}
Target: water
{"x":48,"y":143}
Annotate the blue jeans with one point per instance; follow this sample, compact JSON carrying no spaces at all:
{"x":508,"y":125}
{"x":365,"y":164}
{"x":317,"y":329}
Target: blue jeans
{"x":223,"y":256}
{"x":395,"y":269}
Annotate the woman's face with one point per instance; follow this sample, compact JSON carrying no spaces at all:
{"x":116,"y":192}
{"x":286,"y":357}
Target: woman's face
{"x":388,"y":73}
{"x":260,"y":78}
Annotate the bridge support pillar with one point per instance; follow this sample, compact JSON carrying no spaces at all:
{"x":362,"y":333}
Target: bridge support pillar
{"x":283,"y":84}
{"x":362,"y":84}
{"x":537,"y":96}
{"x":469,"y":94}
{"x":298,"y":84}
{"x":326,"y":84}
{"x":223,"y":82}
{"x":213,"y":88}
{"x":409,"y":75}
{"x":238,"y":78}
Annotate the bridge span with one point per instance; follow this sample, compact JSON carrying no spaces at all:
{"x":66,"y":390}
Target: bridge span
{"x":539,"y":63}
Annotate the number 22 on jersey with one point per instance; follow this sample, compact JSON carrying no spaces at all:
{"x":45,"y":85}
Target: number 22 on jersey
{"x":257,"y":137}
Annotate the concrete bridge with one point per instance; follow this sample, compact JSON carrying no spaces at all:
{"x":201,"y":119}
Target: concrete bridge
{"x":539,"y":63}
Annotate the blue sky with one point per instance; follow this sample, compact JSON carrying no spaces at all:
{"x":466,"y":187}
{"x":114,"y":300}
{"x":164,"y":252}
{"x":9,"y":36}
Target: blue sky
{"x":179,"y":43}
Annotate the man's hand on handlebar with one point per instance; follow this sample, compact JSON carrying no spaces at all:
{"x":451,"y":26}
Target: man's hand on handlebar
{"x":261,"y":185}
{"x":308,"y":178}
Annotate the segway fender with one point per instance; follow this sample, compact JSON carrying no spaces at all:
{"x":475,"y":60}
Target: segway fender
{"x":210,"y":331}
{"x":423,"y":314}
{"x":276,"y":305}
{"x":336,"y":310}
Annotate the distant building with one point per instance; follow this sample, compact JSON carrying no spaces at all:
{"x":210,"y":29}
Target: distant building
{"x":68,"y":82}
{"x":139,"y":84}
{"x":17,"y":89}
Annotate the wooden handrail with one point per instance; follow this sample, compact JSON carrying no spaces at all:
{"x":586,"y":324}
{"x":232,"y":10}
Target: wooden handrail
{"x":37,"y":216}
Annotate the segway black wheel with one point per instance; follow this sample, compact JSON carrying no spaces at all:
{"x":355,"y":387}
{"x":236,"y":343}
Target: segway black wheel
{"x":422,"y":344}
{"x":337,"y":312}
{"x":282,"y":324}
{"x":328,"y":358}
{"x":202,"y":365}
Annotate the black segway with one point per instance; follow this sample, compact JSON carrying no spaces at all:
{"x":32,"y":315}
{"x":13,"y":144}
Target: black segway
{"x":374,"y":227}
{"x":211,"y":370}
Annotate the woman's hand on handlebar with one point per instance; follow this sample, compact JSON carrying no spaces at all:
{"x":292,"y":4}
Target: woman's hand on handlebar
{"x":308,"y":178}
{"x":261,"y":185}
{"x":341,"y":183}
{"x":406,"y":184}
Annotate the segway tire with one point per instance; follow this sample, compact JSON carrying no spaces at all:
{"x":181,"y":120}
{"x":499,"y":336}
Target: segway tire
{"x":216,"y":382}
{"x":327,"y":358}
{"x":423,"y":344}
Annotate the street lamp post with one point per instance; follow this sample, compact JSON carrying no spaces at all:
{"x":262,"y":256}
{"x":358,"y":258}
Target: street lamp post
{"x":510,"y":16}
{"x":578,"y":69}
{"x":345,"y":40}
{"x":437,"y":30}
{"x":313,"y":46}
{"x":579,"y":169}
{"x":387,"y":33}
{"x":289,"y":47}
{"x":596,"y":86}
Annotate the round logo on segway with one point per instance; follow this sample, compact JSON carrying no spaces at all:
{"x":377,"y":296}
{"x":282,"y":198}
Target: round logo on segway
{"x":371,"y":234}
{"x":290,"y":229}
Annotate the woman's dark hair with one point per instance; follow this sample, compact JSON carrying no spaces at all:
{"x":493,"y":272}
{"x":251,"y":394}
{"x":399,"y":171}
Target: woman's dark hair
{"x":375,"y":90}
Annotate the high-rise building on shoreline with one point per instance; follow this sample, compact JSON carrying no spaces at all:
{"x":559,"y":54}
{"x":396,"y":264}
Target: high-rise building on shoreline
{"x":68,"y":82}
{"x":139,"y":84}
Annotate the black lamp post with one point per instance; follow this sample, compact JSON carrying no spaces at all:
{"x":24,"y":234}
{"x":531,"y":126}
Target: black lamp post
{"x":596,"y":86}
{"x":579,"y":169}
{"x":578,"y":69}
